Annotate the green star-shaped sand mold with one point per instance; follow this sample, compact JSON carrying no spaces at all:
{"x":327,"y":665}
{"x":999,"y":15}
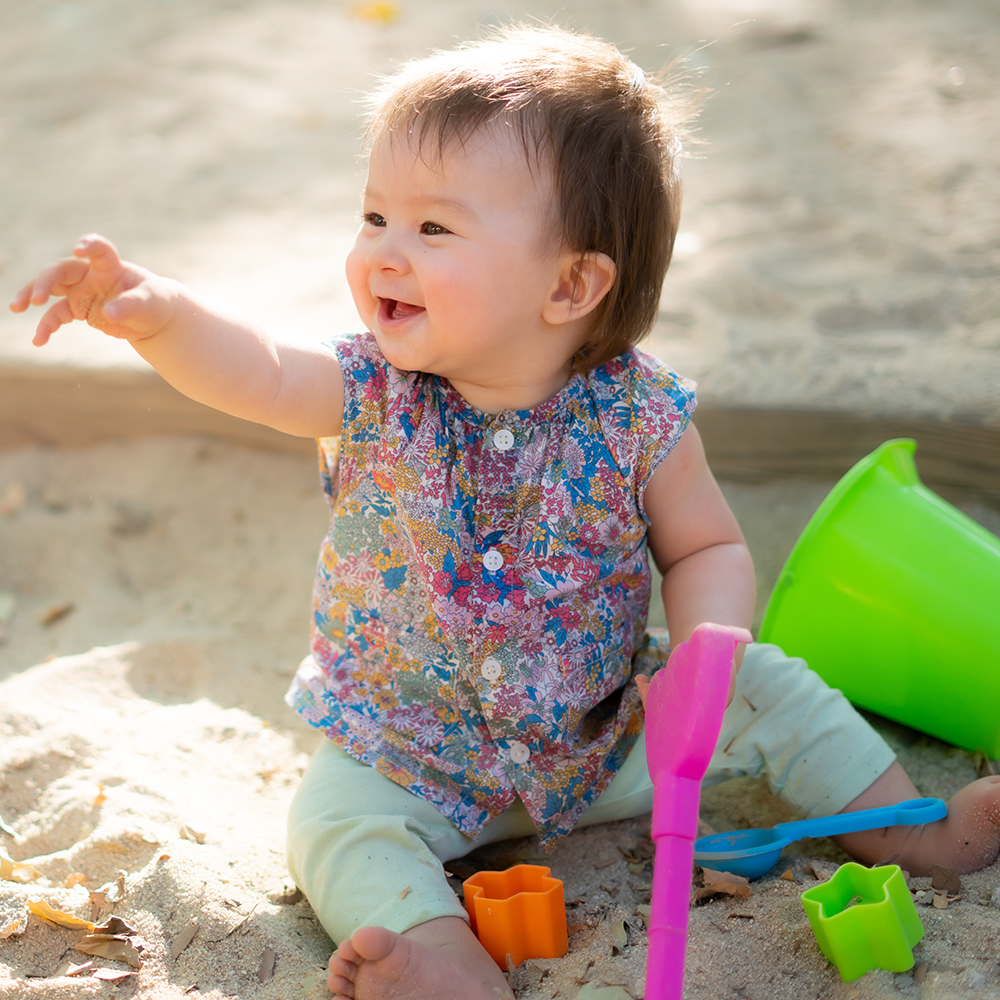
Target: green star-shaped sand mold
{"x":877,"y":932}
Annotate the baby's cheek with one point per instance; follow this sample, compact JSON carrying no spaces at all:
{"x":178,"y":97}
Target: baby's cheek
{"x":357,"y":272}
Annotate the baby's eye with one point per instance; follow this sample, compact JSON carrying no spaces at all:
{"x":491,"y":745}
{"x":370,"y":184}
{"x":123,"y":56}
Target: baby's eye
{"x":374,"y":219}
{"x":433,"y":229}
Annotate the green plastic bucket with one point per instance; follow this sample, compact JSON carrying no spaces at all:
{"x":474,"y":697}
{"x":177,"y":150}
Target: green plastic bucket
{"x":893,"y":596}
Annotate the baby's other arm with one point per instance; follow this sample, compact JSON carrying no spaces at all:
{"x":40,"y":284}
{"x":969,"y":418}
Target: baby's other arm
{"x":215,"y":355}
{"x":697,"y":545}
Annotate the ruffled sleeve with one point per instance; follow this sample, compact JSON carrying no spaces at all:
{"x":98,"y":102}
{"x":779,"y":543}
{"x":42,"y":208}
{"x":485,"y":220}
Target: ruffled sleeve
{"x":365,"y":404}
{"x":644,"y":407}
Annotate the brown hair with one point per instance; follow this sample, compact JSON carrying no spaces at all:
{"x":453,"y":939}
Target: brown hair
{"x":612,"y":135}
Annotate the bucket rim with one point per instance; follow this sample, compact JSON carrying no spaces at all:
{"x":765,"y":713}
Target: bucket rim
{"x":844,"y":487}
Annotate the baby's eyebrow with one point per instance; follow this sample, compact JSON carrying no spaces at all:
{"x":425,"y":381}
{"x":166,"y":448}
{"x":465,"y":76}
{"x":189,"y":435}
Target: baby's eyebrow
{"x":429,"y":204}
{"x":450,"y":205}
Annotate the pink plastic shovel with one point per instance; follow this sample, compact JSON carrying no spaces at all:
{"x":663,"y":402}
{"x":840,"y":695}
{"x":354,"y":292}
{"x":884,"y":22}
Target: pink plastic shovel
{"x":684,"y":708}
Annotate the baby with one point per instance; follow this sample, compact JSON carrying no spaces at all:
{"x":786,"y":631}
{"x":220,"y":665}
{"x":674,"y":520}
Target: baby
{"x":500,"y":460}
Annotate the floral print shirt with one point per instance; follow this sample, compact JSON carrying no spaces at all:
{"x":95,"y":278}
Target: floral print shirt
{"x":481,"y":597}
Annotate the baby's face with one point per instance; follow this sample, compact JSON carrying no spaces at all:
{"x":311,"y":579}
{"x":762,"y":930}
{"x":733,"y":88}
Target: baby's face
{"x":455,"y":260}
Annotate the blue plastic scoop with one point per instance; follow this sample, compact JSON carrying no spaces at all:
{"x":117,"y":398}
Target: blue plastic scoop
{"x":751,"y":853}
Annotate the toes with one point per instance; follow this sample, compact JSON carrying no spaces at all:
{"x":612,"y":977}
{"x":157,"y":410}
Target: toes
{"x":340,"y":981}
{"x":374,"y":943}
{"x":340,"y":987}
{"x":340,"y":966}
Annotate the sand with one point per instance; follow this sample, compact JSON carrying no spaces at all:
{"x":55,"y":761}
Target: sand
{"x":838,"y":252}
{"x":144,"y":733}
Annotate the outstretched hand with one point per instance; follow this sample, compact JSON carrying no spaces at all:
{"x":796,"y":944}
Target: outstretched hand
{"x":97,"y":286}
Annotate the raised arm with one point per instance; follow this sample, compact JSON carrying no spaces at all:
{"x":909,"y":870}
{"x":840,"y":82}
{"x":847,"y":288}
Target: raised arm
{"x":215,"y":355}
{"x":697,"y":545}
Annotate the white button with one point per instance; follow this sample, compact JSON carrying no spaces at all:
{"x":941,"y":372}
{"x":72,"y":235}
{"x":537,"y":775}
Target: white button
{"x":491,"y":669}
{"x":519,"y":753}
{"x":503,"y":440}
{"x":492,"y":560}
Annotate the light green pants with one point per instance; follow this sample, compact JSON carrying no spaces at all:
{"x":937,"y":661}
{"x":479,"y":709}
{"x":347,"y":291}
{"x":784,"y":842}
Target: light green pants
{"x":366,"y":851}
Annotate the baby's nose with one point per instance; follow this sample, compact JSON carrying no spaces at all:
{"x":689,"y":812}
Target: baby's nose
{"x":386,"y":255}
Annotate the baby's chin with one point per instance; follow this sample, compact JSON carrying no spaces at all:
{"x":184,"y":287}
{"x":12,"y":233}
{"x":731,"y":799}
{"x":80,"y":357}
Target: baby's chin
{"x":391,"y":350}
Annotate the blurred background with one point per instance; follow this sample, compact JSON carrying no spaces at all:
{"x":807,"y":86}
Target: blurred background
{"x":839,"y":248}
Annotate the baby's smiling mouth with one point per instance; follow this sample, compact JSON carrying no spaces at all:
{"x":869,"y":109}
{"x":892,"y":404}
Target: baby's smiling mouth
{"x":393,"y":309}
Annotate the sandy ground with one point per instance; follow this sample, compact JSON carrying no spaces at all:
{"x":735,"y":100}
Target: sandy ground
{"x":839,"y":250}
{"x":166,"y":752}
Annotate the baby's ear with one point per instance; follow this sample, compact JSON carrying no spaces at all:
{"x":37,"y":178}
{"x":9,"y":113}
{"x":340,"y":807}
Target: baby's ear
{"x":584,"y":280}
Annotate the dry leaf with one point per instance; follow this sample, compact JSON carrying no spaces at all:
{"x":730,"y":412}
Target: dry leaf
{"x":266,"y":969}
{"x":98,"y":900}
{"x":42,"y":909}
{"x":724,"y":884}
{"x":940,"y":900}
{"x":111,"y":975}
{"x":823,"y":869}
{"x":788,"y":876}
{"x":113,"y":946}
{"x":77,"y":878}
{"x":920,"y":973}
{"x":945,"y":879}
{"x":17,"y":926}
{"x":645,"y":911}
{"x":100,"y":798}
{"x":14,"y":871}
{"x":183,"y":939}
{"x":115,"y":926}
{"x":6,"y":827}
{"x":54,"y":612}
{"x":619,"y":934}
{"x":642,"y":850}
{"x":108,"y":894}
{"x":405,"y":893}
{"x":188,"y":834}
{"x":70,"y":969}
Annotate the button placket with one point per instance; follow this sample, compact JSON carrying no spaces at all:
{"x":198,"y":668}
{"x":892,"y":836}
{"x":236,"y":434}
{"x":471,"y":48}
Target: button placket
{"x":519,"y":753}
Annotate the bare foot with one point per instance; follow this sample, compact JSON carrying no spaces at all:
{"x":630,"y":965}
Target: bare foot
{"x":437,"y":960}
{"x":967,"y":840}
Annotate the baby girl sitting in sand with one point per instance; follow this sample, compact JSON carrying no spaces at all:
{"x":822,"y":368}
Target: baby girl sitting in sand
{"x":499,"y":460}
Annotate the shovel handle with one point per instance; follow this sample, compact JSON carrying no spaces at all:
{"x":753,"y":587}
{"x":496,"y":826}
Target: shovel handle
{"x":669,"y":918}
